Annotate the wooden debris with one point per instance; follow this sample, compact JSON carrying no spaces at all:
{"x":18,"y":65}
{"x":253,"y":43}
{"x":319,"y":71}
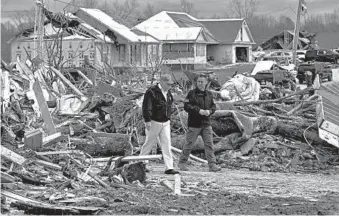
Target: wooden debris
{"x":49,"y":125}
{"x":177,"y":184}
{"x":63,"y":78}
{"x":127,"y":158}
{"x":6,"y":178}
{"x":112,"y":135}
{"x":53,"y":138}
{"x":60,"y":152}
{"x":191,"y":156}
{"x":85,"y":77}
{"x":48,"y":164}
{"x":33,"y":139}
{"x":12,"y":156}
{"x":102,"y":88}
{"x":32,"y":206}
{"x":82,"y":199}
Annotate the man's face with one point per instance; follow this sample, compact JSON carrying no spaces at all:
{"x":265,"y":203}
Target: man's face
{"x":201,"y":83}
{"x":166,"y":86}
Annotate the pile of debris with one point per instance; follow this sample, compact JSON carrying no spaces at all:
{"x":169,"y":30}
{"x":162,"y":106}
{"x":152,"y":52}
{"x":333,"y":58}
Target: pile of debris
{"x":65,"y":133}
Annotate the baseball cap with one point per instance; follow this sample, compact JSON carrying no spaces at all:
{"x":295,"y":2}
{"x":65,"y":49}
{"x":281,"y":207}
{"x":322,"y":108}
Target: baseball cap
{"x":167,"y":78}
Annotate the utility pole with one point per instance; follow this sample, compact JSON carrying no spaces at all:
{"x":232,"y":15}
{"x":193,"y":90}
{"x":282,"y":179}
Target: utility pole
{"x":38,"y":30}
{"x":296,"y":33}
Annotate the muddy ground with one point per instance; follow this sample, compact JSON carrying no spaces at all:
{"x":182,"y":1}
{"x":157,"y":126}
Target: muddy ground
{"x":232,"y":192}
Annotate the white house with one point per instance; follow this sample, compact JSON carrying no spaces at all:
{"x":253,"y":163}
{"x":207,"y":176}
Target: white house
{"x":192,"y":41}
{"x":91,"y":37}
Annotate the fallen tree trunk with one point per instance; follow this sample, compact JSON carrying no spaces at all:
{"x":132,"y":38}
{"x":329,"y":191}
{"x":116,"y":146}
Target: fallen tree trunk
{"x":105,"y":146}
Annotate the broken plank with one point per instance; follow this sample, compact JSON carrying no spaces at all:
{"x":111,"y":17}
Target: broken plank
{"x":48,"y":164}
{"x":63,"y":78}
{"x":102,"y":134}
{"x":33,"y":139}
{"x":85,"y":77}
{"x":6,"y":178}
{"x":49,"y":125}
{"x":60,"y":152}
{"x":127,"y":158}
{"x":51,"y":139}
{"x":12,"y":156}
{"x":102,"y":88}
{"x":191,"y":156}
{"x":81,"y":199}
{"x":43,"y":207}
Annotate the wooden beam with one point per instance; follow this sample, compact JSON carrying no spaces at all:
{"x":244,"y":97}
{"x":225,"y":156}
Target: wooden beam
{"x":12,"y":156}
{"x":103,"y":134}
{"x":33,"y":139}
{"x":49,"y":125}
{"x":191,"y":156}
{"x":48,"y":164}
{"x":63,"y":78}
{"x":43,"y":206}
{"x":60,"y":152}
{"x":102,"y":88}
{"x":127,"y":158}
{"x":85,"y":77}
{"x":6,"y":178}
{"x":51,"y":139}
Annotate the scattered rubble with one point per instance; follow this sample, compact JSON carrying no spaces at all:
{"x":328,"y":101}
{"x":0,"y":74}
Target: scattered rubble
{"x":64,"y":149}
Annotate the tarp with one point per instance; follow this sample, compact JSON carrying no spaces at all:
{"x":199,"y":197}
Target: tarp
{"x":247,"y":87}
{"x":262,"y":66}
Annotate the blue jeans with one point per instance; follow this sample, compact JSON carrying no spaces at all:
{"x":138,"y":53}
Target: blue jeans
{"x":191,"y":136}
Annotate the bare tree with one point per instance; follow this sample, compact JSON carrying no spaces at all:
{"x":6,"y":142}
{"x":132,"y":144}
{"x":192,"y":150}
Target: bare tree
{"x":149,"y":11}
{"x":23,"y":20}
{"x":244,"y":8}
{"x":124,"y":12}
{"x":76,"y":4}
{"x":187,"y":6}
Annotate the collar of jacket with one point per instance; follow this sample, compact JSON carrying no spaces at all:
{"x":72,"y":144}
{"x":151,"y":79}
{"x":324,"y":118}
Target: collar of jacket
{"x":159,"y":88}
{"x":197,"y":90}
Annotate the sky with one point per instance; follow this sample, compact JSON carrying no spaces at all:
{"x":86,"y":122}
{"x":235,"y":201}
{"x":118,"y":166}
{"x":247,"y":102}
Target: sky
{"x":205,"y":8}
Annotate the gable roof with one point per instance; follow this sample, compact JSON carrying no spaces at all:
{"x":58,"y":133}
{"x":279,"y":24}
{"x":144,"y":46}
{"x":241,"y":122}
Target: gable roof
{"x":114,"y":26}
{"x":179,"y":34}
{"x":217,"y":30}
{"x":225,"y":31}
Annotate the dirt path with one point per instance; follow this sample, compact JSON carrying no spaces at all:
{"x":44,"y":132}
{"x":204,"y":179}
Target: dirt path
{"x":235,"y":192}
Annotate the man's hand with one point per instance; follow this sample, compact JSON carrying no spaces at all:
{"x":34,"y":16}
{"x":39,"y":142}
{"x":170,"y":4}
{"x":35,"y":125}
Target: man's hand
{"x":148,"y":126}
{"x":204,"y":112}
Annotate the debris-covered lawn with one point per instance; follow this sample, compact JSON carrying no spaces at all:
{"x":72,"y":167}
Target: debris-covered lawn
{"x":70,"y":145}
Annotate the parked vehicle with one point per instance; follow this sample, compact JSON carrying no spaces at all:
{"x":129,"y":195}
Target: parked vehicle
{"x":279,"y":56}
{"x":322,"y":55}
{"x":323,"y":69}
{"x":301,"y":54}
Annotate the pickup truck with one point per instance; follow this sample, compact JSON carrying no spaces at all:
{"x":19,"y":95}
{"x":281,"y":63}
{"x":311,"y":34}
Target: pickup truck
{"x":322,"y":55}
{"x":323,"y":69}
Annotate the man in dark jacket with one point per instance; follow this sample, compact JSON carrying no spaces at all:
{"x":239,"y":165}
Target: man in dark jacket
{"x":156,"y":109}
{"x":200,"y":106}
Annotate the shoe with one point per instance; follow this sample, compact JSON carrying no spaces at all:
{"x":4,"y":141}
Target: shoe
{"x":214,"y":168}
{"x":171,"y":172}
{"x":183,"y":166}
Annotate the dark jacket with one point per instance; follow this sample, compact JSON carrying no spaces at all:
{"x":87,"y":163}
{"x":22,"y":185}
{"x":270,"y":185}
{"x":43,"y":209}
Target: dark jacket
{"x":195,"y":101}
{"x":154,"y":105}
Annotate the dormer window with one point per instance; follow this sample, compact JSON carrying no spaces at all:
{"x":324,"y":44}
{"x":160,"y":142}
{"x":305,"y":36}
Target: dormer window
{"x":70,"y":45}
{"x":18,"y":46}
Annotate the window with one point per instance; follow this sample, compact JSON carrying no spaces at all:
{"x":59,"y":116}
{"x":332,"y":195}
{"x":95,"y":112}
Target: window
{"x":200,"y":51}
{"x":18,"y":55}
{"x":122,"y":52}
{"x":91,"y":55}
{"x":81,"y":63}
{"x":137,"y":52}
{"x":81,"y":55}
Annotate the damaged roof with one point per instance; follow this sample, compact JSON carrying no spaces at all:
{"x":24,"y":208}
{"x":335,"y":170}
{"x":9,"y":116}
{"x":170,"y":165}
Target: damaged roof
{"x":76,"y":28}
{"x":215,"y":30}
{"x":114,"y":26}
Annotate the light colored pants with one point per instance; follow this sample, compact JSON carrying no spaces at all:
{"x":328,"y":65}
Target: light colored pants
{"x":159,"y":131}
